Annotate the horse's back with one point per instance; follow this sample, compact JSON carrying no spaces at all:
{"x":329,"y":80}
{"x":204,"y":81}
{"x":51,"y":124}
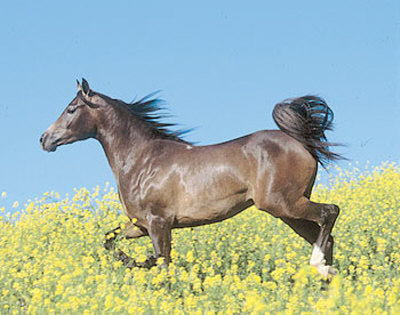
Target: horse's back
{"x":267,"y":148}
{"x":261,"y":152}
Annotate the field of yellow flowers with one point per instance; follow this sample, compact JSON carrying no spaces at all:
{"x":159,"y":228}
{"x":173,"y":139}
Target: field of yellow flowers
{"x":52,"y":260}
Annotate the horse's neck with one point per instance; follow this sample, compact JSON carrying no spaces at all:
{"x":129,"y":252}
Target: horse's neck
{"x":123,"y":142}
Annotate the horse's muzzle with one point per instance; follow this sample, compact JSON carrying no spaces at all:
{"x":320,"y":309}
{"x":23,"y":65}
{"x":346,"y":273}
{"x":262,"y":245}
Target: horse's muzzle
{"x":47,"y":143}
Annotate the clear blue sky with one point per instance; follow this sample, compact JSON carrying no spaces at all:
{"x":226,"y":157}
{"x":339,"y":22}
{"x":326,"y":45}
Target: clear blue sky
{"x":221,"y":66}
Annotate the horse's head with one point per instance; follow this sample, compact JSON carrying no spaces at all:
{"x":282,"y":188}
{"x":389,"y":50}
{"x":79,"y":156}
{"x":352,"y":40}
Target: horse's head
{"x":77,"y":122}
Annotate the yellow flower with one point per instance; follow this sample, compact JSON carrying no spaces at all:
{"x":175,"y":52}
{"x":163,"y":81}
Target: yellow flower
{"x":108,"y":301}
{"x":189,"y":256}
{"x":52,"y":259}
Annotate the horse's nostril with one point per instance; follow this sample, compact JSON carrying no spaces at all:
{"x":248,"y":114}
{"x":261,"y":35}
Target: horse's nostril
{"x":43,"y":138}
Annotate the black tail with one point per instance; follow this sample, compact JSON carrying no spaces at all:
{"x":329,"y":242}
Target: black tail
{"x":306,"y":119}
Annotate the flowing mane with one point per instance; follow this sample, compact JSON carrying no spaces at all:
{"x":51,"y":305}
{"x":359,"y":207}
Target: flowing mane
{"x":152,"y":111}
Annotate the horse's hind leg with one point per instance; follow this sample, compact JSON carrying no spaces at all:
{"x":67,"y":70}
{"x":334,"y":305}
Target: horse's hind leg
{"x":309,"y":231}
{"x":325,"y":215}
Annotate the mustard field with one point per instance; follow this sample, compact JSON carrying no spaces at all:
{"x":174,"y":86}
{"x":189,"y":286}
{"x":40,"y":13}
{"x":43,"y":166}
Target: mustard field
{"x":52,"y":259}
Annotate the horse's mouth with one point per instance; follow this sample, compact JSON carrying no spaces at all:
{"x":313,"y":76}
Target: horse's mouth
{"x":48,"y":144}
{"x":49,"y":147}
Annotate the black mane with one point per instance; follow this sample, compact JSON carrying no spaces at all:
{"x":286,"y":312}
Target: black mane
{"x":151,"y":111}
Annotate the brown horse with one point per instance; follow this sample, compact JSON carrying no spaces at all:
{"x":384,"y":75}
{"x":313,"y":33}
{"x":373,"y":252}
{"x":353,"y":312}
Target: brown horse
{"x":165,"y":182}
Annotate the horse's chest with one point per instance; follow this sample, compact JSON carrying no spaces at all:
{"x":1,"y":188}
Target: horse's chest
{"x":129,"y":199}
{"x":137,"y":202}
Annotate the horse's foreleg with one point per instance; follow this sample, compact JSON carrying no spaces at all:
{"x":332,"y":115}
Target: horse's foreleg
{"x":160,"y":234}
{"x":129,"y":231}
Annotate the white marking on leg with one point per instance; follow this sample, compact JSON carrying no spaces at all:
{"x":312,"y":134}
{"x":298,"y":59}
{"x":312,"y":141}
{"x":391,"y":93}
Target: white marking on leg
{"x":317,"y":260}
{"x":317,"y":256}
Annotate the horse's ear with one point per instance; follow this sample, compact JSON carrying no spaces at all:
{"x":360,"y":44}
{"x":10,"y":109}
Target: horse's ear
{"x":79,"y":86}
{"x":85,"y":87}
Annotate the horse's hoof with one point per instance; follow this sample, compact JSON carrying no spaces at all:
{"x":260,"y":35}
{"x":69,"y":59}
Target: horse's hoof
{"x":326,"y":271}
{"x":151,"y":261}
{"x":332,"y":271}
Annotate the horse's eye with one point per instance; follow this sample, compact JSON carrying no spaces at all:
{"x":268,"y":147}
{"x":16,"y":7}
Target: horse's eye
{"x":71,"y":110}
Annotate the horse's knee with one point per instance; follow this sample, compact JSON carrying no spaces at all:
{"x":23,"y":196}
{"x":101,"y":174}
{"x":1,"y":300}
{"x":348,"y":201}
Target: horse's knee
{"x":329,"y":214}
{"x":133,"y":231}
{"x":334,"y":210}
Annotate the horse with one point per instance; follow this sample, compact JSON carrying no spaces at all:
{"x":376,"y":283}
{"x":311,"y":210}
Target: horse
{"x":165,"y":182}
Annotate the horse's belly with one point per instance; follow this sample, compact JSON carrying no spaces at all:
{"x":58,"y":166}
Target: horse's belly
{"x":215,"y":211}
